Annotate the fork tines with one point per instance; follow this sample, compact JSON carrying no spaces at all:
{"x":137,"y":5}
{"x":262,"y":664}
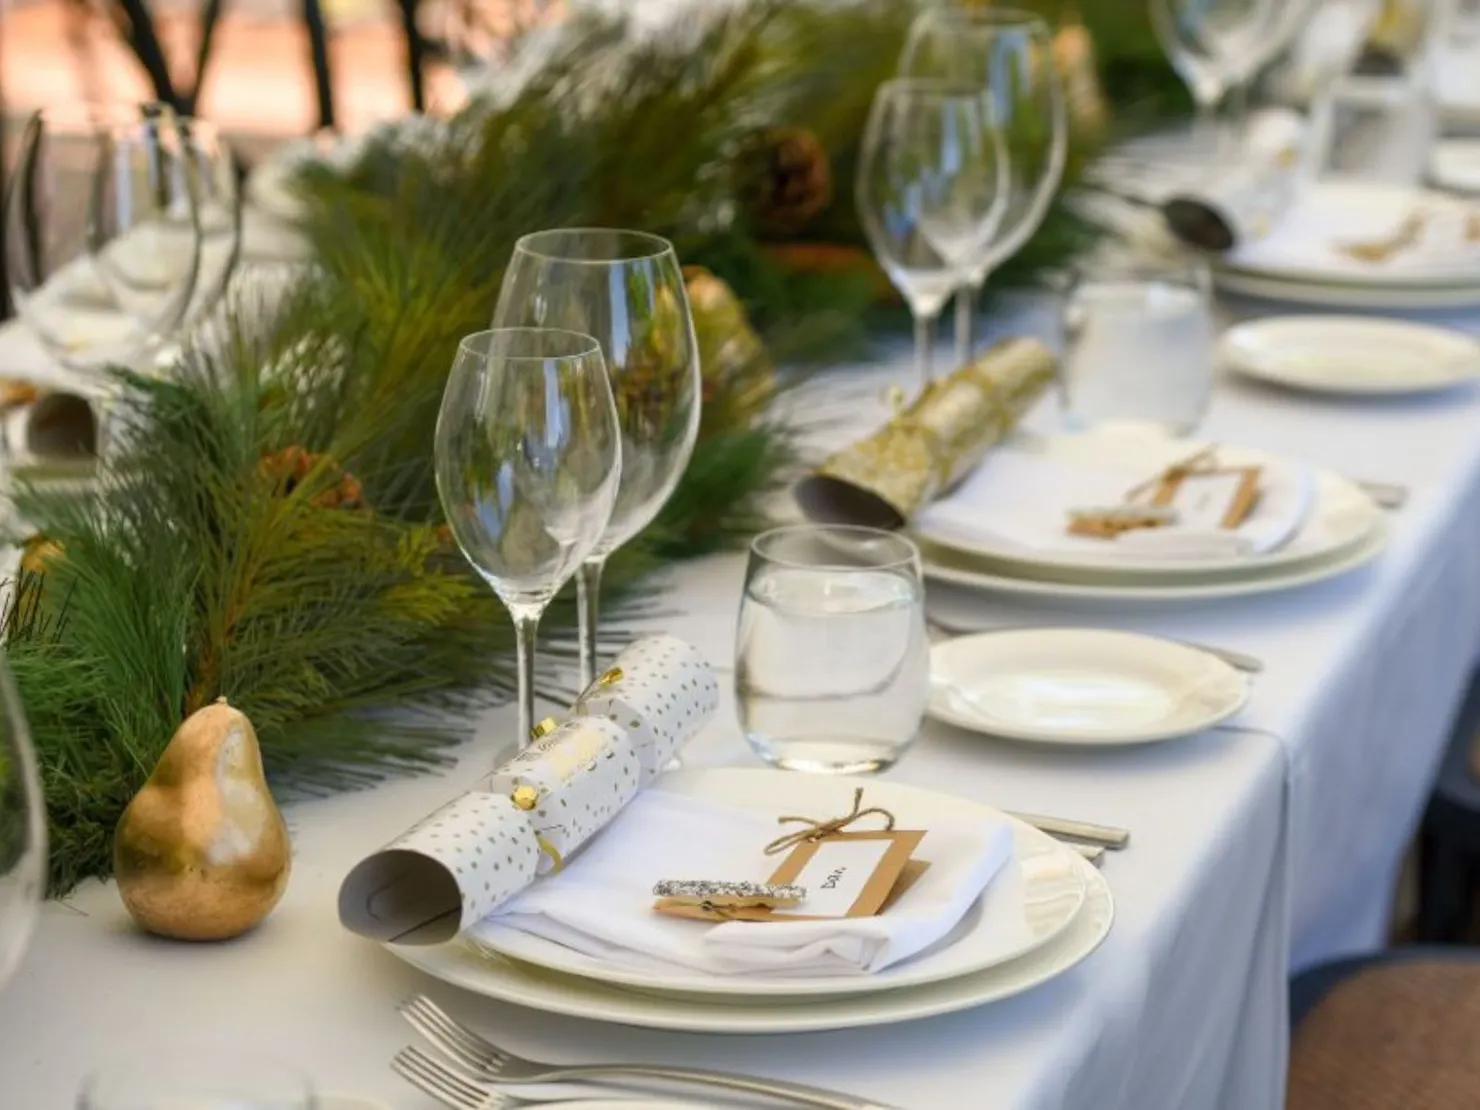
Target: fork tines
{"x":448,"y":1036}
{"x":434,"y":1078}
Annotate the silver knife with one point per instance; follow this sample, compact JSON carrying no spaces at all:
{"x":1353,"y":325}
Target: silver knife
{"x":1105,"y":835}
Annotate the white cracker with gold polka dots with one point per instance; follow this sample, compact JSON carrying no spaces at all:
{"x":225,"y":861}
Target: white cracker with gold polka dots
{"x":662,"y":692}
{"x":571,"y":783}
{"x":455,"y":867}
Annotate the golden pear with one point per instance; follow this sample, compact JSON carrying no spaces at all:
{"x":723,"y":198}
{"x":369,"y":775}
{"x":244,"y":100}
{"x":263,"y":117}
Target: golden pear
{"x":202,"y":852}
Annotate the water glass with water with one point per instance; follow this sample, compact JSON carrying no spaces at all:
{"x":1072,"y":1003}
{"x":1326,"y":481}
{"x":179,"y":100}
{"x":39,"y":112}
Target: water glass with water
{"x":832,"y":660}
{"x":1138,"y":347}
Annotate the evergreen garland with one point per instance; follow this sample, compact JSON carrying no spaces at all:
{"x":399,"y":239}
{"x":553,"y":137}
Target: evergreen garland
{"x":269,"y":530}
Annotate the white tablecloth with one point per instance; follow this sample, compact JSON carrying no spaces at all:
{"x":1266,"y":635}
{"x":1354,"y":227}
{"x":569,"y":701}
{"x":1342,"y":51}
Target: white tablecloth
{"x":1285,"y":829}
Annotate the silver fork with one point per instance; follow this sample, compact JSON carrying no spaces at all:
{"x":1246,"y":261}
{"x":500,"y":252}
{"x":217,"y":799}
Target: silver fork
{"x":435,"y":1078}
{"x":487,"y":1063}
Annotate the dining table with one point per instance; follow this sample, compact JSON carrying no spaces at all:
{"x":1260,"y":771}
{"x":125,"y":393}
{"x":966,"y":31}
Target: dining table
{"x":1257,"y":848}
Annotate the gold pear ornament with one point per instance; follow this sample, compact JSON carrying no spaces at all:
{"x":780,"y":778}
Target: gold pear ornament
{"x":202,"y":852}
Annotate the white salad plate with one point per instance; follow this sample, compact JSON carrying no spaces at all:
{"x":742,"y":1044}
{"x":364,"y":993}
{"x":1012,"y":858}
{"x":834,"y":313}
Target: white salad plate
{"x":1376,"y":298}
{"x":1081,"y":686}
{"x":1314,"y":239}
{"x":538,"y":988}
{"x":954,"y":569}
{"x":1351,"y":355}
{"x":1033,"y":899}
{"x":1455,"y":164}
{"x":1342,"y":517}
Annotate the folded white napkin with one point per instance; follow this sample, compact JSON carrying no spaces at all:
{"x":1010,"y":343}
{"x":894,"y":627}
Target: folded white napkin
{"x":1019,"y":500}
{"x":601,"y":904}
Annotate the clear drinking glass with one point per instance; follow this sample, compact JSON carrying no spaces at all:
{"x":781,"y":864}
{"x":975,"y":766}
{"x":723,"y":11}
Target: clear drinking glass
{"x":932,"y":187}
{"x":528,"y":460}
{"x":1138,"y":347}
{"x":832,"y":664}
{"x":1213,"y":45}
{"x":172,"y":1077}
{"x":103,"y":235}
{"x":1009,"y":54}
{"x":625,"y":288}
{"x":22,"y":830}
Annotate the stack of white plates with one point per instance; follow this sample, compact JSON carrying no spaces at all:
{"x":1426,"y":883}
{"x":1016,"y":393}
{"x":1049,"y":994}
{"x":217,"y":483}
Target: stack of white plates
{"x":1344,"y":530}
{"x":1043,"y":914}
{"x":1308,"y":259}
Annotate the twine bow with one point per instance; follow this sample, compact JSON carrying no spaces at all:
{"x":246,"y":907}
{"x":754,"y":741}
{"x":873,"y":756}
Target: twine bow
{"x":1204,"y":462}
{"x":820,"y":830}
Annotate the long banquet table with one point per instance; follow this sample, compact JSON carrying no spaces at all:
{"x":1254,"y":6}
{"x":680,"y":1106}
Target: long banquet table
{"x":1267,"y":844}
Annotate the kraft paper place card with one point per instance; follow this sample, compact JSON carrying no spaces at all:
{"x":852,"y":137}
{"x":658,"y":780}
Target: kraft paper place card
{"x":846,"y":875}
{"x":1210,"y":499}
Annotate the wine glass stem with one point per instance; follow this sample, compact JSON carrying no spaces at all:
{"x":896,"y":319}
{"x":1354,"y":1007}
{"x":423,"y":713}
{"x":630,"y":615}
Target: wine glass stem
{"x":526,"y":631}
{"x":588,"y":601}
{"x":965,"y":319}
{"x":924,"y":347}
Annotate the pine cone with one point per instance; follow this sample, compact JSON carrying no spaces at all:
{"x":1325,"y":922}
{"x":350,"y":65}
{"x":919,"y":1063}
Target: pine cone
{"x":292,"y":464}
{"x":783,"y":179}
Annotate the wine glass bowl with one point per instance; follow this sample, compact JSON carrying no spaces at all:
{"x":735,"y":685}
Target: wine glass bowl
{"x":1009,"y":55}
{"x":103,"y":234}
{"x":1213,"y":45}
{"x":931,"y":191}
{"x":626,"y":289}
{"x":528,"y":461}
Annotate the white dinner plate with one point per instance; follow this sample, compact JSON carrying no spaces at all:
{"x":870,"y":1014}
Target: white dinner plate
{"x":1310,"y":243}
{"x":1030,"y":901}
{"x":550,"y":992}
{"x":1377,"y":298}
{"x":1081,"y":686}
{"x":1342,"y":516}
{"x":960,"y":570}
{"x":1455,"y":164}
{"x":1351,"y":355}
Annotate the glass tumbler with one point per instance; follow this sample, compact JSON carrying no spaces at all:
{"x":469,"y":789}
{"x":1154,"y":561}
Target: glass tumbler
{"x":832,"y":664}
{"x":1138,"y":347}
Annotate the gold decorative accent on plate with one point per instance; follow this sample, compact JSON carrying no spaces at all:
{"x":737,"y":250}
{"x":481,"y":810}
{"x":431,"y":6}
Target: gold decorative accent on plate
{"x":1380,"y":250}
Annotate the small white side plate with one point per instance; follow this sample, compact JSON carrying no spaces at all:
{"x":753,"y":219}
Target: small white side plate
{"x":1081,"y":686}
{"x":1351,"y":355}
{"x":1455,"y":164}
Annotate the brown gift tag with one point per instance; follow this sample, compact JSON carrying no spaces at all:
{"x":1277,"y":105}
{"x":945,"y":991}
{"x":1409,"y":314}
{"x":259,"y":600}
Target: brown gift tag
{"x":852,"y":874}
{"x":1221,"y":498}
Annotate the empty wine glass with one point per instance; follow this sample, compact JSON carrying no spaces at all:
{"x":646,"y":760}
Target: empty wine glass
{"x":932,"y":188}
{"x":625,"y":288}
{"x":102,"y":232}
{"x":175,"y":1077}
{"x":528,"y":460}
{"x":1009,"y":54}
{"x":22,"y":830}
{"x":1211,"y":44}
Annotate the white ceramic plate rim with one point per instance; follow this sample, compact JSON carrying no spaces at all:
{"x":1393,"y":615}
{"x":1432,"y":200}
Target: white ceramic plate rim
{"x":767,"y":790}
{"x":1328,"y":295}
{"x":1461,"y":274}
{"x":1251,"y":349}
{"x":548,"y":992}
{"x":1288,"y":579}
{"x":1334,"y":496}
{"x":1113,"y":644}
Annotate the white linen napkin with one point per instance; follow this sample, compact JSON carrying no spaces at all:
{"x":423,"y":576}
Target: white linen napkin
{"x":1019,"y":500}
{"x":601,"y":904}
